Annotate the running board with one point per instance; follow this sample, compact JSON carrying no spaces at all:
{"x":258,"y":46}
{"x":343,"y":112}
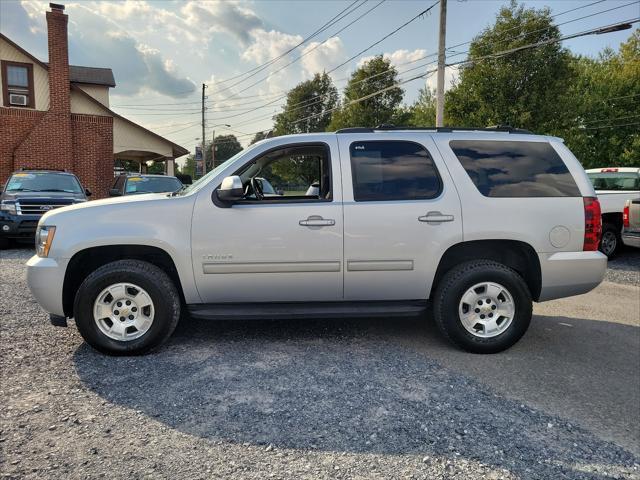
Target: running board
{"x":249,"y":311}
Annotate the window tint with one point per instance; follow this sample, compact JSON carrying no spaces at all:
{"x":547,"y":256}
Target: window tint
{"x":43,"y":182}
{"x":615,"y":181}
{"x":138,"y":185}
{"x":392,"y":170}
{"x":295,"y":172}
{"x":515,"y":169}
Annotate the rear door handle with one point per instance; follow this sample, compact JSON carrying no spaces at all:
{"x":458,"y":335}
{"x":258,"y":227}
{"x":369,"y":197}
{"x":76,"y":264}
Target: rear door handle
{"x":317,"y":221}
{"x":435,"y":218}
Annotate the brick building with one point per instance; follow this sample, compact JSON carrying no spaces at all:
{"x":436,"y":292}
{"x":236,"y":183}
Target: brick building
{"x":57,"y":116}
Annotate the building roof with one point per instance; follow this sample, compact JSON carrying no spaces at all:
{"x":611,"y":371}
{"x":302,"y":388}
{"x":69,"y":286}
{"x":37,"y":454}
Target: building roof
{"x":77,"y":73}
{"x":92,"y":75}
{"x":178,"y":150}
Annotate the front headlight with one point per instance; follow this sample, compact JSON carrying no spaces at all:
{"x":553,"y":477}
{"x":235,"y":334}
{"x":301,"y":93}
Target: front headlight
{"x":44,"y":238}
{"x":9,"y":207}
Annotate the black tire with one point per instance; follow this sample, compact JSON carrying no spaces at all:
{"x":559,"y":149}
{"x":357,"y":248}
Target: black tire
{"x":611,"y":240}
{"x":453,"y":286}
{"x":157,"y":284}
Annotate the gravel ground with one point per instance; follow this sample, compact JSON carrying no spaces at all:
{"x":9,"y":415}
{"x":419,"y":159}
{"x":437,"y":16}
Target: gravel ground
{"x":269,"y":399}
{"x":625,"y":267}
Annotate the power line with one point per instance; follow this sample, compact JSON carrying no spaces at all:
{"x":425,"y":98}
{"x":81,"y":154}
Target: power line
{"x":408,"y":22}
{"x":495,"y":55}
{"x":261,"y":97}
{"x":325,"y":26}
{"x":450,"y":48}
{"x":303,"y":54}
{"x":612,"y":126}
{"x":613,"y":119}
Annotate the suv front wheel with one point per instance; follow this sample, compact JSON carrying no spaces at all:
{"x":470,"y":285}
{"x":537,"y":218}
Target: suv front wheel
{"x":482,"y":306}
{"x":127,"y":307}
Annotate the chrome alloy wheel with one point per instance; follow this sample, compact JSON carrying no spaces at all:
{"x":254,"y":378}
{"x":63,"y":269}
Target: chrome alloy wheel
{"x":609,"y":242}
{"x":486,"y":309}
{"x":123,"y":311}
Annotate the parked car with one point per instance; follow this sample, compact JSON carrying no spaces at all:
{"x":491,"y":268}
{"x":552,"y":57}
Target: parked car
{"x":613,"y":187}
{"x":479,"y":223}
{"x":28,"y":194}
{"x":138,"y":183}
{"x":631,"y":223}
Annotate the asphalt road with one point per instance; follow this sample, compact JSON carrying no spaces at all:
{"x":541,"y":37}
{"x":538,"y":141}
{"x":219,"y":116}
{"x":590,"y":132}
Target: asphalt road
{"x":369,"y":398}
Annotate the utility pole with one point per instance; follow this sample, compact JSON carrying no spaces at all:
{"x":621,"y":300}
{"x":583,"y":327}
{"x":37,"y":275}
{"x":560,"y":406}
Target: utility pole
{"x":213,"y":148}
{"x":204,"y":152}
{"x":213,"y":142}
{"x":441,"y":64}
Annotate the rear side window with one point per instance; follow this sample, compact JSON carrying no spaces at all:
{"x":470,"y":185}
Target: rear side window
{"x":615,"y":181}
{"x":392,"y":170}
{"x":515,"y":169}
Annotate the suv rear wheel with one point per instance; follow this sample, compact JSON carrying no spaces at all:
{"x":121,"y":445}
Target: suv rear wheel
{"x":127,"y":307}
{"x":482,"y":306}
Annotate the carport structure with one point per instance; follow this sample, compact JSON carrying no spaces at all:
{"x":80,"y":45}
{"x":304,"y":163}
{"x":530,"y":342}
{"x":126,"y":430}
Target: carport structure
{"x":133,"y":142}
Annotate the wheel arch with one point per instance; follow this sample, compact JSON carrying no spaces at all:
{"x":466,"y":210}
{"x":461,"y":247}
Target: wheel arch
{"x":614,"y":218}
{"x":518,"y":255}
{"x":85,"y":261}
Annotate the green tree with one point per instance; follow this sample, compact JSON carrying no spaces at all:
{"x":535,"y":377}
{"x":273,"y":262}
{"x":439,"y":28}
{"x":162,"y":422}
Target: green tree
{"x":308,"y":108}
{"x":523,"y":89}
{"x":260,"y":136}
{"x":226,"y":146}
{"x":156,"y":167}
{"x":189,"y":167}
{"x":375,"y":75}
{"x":423,"y":112}
{"x":604,"y":128}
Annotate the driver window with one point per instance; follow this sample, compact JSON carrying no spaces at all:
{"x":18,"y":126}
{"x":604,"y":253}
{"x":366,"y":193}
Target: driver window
{"x":290,"y":173}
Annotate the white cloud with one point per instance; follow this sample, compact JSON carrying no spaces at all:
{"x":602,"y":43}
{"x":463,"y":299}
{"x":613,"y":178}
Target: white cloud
{"x":229,"y":17}
{"x":400,"y":57}
{"x":323,"y":57}
{"x":269,"y":44}
{"x":450,"y":76}
{"x":97,"y":38}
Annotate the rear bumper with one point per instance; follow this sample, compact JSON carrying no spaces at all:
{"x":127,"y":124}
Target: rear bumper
{"x":45,"y":277}
{"x":565,"y":274}
{"x":631,"y":239}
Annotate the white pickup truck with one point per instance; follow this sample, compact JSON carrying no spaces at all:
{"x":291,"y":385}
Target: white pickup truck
{"x":478,"y":223}
{"x":614,"y":186}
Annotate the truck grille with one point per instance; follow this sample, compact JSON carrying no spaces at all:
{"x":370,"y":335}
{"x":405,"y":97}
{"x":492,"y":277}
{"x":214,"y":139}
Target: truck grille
{"x":39,"y":207}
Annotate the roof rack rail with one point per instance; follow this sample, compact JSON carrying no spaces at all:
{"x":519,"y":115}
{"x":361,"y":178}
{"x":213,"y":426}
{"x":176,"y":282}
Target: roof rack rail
{"x":387,"y":127}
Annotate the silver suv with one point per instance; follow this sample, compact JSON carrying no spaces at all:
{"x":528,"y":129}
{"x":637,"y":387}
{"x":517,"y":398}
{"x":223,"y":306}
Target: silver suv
{"x":479,"y":223}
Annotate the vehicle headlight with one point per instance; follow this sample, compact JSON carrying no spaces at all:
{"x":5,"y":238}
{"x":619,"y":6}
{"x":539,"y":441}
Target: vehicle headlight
{"x":9,"y":207}
{"x":44,"y":238}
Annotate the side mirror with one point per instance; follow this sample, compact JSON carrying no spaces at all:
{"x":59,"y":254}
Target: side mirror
{"x":231,"y":189}
{"x":114,"y":192}
{"x":229,"y":192}
{"x":87,"y":192}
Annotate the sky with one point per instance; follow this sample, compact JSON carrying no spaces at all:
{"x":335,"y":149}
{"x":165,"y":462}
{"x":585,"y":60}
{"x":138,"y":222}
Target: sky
{"x":161,"y":52}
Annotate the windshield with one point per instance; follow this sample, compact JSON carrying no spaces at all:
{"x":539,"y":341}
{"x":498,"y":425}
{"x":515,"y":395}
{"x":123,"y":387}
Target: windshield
{"x":137,"y":185}
{"x":201,"y":182}
{"x":43,"y":182}
{"x":615,"y":181}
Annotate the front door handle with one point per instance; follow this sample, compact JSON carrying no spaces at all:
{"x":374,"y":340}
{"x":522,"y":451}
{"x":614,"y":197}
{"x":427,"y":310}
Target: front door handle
{"x":435,"y":218}
{"x":317,"y":221}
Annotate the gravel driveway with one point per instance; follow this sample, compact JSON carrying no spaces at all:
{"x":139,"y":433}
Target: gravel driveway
{"x":303,"y":399}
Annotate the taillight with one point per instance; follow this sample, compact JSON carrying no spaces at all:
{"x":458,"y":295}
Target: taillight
{"x":592,"y":224}
{"x":625,"y":215}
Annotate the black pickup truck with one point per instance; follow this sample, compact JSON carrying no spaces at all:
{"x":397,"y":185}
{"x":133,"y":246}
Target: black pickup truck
{"x":29,"y":194}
